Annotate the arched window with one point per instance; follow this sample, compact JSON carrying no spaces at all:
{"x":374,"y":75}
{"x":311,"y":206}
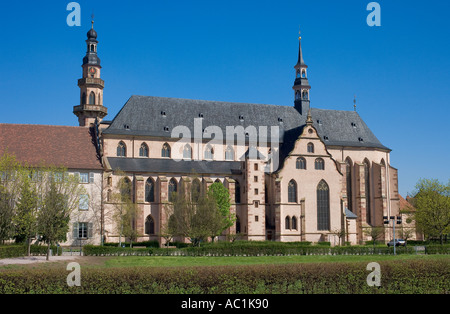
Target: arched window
{"x":196,"y":190}
{"x":305,"y":95}
{"x":301,"y":163}
{"x":125,"y":189}
{"x":310,"y":148}
{"x":319,"y":164}
{"x":83,"y":99}
{"x":367,"y":190}
{"x":303,"y":73}
{"x":149,"y":225}
{"x":150,"y":190}
{"x":237,"y":191}
{"x":121,"y":150}
{"x":287,"y":223}
{"x":292,"y":192}
{"x":294,"y":223}
{"x":298,"y":95}
{"x":348,"y":166}
{"x":172,"y":189}
{"x":187,"y":152}
{"x":238,"y":224}
{"x":165,"y":151}
{"x":323,"y":206}
{"x":298,"y":73}
{"x":209,"y":152}
{"x":143,"y":151}
{"x":92,"y":98}
{"x":229,"y":153}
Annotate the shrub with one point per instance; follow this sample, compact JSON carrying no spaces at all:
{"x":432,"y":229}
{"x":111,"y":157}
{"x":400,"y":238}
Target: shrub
{"x":398,"y":277}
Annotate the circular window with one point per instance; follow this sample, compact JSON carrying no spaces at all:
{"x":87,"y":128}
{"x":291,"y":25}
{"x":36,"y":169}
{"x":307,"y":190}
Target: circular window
{"x":310,"y":131}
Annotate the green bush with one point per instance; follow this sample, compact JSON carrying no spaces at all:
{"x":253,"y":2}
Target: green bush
{"x":398,"y":277}
{"x":10,"y":251}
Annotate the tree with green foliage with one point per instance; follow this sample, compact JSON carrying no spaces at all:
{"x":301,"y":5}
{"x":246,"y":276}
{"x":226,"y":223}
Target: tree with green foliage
{"x":125,"y":210}
{"x":60,"y":197}
{"x":11,"y":173}
{"x":432,"y":203}
{"x":199,"y":215}
{"x":222,"y":217}
{"x":25,"y":219}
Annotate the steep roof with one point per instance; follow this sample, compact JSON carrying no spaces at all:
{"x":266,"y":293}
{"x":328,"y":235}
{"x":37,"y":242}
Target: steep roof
{"x":46,"y":145}
{"x":157,"y":116}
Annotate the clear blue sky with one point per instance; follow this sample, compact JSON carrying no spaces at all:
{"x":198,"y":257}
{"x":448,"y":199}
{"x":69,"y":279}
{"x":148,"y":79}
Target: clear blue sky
{"x":243,"y":51}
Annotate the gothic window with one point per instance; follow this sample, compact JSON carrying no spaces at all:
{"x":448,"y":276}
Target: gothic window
{"x":298,"y":95}
{"x":83,"y":99}
{"x":149,"y":225}
{"x":172,"y":189}
{"x":143,"y":151}
{"x":165,"y":151}
{"x":150,"y":190}
{"x":229,"y":153}
{"x":348,"y":166}
{"x":367,"y":189}
{"x":292,"y":192}
{"x":298,"y":73}
{"x":187,"y":152}
{"x":238,"y":224}
{"x":92,"y":98}
{"x":237,"y":191}
{"x":301,"y":163}
{"x":310,"y":148}
{"x":125,"y":189}
{"x":294,"y":223}
{"x":323,"y":206}
{"x":209,"y":153}
{"x":121,"y":150}
{"x":196,"y":190}
{"x":303,"y":73}
{"x":287,"y":223}
{"x":319,"y":164}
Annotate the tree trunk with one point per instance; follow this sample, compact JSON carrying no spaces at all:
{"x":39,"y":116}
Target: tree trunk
{"x":48,"y":251}
{"x":29,"y":247}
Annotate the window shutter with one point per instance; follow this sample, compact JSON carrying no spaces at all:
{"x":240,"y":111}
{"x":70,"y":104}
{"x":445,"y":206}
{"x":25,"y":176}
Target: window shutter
{"x":91,"y":177}
{"x":75,"y":230}
{"x":90,"y":230}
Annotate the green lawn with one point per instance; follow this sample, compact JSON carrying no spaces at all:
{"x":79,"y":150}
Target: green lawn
{"x":177,"y":261}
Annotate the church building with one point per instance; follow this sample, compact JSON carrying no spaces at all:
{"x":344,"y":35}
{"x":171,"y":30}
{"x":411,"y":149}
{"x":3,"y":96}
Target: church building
{"x":294,"y":173}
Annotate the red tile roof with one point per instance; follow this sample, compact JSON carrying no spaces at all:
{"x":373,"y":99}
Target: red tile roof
{"x":405,"y":205}
{"x":61,"y":146}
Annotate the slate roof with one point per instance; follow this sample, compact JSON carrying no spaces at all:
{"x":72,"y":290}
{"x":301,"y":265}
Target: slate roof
{"x":171,"y":166}
{"x":46,"y":145}
{"x":157,"y":116}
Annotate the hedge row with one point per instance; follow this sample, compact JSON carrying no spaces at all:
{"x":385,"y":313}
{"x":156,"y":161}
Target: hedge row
{"x":397,"y":277}
{"x":253,"y":249}
{"x":10,"y":251}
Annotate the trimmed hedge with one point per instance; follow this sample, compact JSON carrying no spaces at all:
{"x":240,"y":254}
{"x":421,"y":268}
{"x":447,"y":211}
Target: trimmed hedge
{"x":244,"y":248}
{"x":397,"y":277}
{"x":10,"y":251}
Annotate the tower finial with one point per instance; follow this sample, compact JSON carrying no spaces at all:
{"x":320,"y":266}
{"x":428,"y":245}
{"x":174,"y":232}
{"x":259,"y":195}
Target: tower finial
{"x":92,"y":21}
{"x":299,"y":33}
{"x":354,"y":103}
{"x":309,"y":120}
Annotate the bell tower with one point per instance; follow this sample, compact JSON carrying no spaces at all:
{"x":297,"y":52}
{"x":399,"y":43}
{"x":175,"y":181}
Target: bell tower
{"x":91,"y":85}
{"x":301,"y":84}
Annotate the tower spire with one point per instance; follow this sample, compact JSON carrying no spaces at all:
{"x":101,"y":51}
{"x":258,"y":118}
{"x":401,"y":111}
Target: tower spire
{"x":91,"y":107}
{"x":301,"y":84}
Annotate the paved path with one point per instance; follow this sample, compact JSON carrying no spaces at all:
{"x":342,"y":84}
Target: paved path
{"x":35,"y":259}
